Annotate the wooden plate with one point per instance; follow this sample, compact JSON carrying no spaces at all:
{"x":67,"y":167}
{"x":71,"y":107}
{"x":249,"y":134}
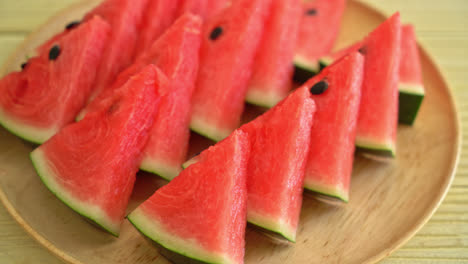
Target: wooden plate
{"x":389,"y":202}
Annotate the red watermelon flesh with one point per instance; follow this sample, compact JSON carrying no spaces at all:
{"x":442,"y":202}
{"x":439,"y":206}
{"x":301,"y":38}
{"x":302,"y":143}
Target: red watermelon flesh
{"x":176,"y":54}
{"x":331,"y":155}
{"x":158,"y":16}
{"x":230,"y":41}
{"x":280,"y":141}
{"x":378,"y":114}
{"x":201,"y":214}
{"x":91,"y":165}
{"x":198,"y":7}
{"x":125,"y":18}
{"x":410,"y":65}
{"x":319,"y":28}
{"x":48,"y":93}
{"x":272,"y":71}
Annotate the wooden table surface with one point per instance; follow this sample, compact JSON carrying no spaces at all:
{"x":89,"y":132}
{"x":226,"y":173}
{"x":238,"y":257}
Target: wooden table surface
{"x":442,"y":28}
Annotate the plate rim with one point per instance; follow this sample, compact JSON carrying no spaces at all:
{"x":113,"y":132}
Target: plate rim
{"x":45,"y":243}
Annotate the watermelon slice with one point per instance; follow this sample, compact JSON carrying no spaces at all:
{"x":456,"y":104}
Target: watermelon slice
{"x":158,"y":16}
{"x":176,"y":54}
{"x":275,"y":174}
{"x":320,"y":24}
{"x":272,"y":71}
{"x":203,"y":8}
{"x":91,"y":165}
{"x":229,"y":44}
{"x":125,"y":18}
{"x":331,"y":155}
{"x":48,"y":93}
{"x":378,"y":114}
{"x":200,"y":216}
{"x":411,"y":85}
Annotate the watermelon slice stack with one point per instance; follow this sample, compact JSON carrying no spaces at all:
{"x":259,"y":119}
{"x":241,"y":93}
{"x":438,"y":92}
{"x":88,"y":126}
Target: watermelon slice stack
{"x":176,"y":54}
{"x":154,"y":69}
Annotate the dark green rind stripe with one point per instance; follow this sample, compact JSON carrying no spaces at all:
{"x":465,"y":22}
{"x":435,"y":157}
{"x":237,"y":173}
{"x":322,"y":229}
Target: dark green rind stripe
{"x":303,"y":74}
{"x":60,"y":198}
{"x":277,"y":235}
{"x":386,"y":153}
{"x":408,"y":107}
{"x":313,"y":191}
{"x":170,"y":254}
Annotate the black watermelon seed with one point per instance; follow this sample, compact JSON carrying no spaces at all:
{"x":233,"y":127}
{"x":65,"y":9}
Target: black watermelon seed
{"x":24,"y":64}
{"x":72,"y":25}
{"x":217,"y":31}
{"x":311,"y":12}
{"x":319,"y":87}
{"x":54,"y":52}
{"x":363,"y":50}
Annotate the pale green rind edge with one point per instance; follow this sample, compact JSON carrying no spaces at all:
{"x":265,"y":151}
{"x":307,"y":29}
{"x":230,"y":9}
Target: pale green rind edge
{"x":410,"y":88}
{"x":305,"y":64}
{"x":331,"y":191}
{"x":262,"y":98}
{"x":87,"y":210}
{"x":190,"y":249}
{"x":190,"y":162}
{"x":25,"y":131}
{"x":159,"y":168}
{"x":207,"y":130}
{"x":386,"y":149}
{"x":273,"y":225}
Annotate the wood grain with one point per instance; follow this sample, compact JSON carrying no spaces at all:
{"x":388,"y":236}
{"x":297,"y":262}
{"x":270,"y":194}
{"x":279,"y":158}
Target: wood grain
{"x":442,"y":240}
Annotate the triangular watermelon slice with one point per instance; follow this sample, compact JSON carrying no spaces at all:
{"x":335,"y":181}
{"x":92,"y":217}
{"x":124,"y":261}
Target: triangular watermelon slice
{"x":52,"y":88}
{"x":229,"y":44}
{"x":200,"y":216}
{"x":125,"y":18}
{"x":280,"y":141}
{"x":411,"y":84}
{"x":331,"y":155}
{"x":272,"y":71}
{"x":320,"y":25}
{"x":91,"y":165}
{"x":158,"y":16}
{"x":378,"y":113}
{"x":176,"y":54}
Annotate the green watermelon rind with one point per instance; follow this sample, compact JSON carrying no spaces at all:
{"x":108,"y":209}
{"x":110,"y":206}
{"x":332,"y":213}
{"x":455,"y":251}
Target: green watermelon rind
{"x":160,"y":168}
{"x":89,"y":211}
{"x":272,"y":224}
{"x":409,"y":100}
{"x":302,"y":63}
{"x":190,"y":162}
{"x":153,"y":230}
{"x":386,"y":150}
{"x":327,"y":190}
{"x":27,"y":132}
{"x":262,"y":98}
{"x":207,"y":130}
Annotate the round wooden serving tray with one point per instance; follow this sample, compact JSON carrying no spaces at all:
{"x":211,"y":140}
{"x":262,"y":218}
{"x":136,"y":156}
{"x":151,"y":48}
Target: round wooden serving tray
{"x":388,"y":202}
